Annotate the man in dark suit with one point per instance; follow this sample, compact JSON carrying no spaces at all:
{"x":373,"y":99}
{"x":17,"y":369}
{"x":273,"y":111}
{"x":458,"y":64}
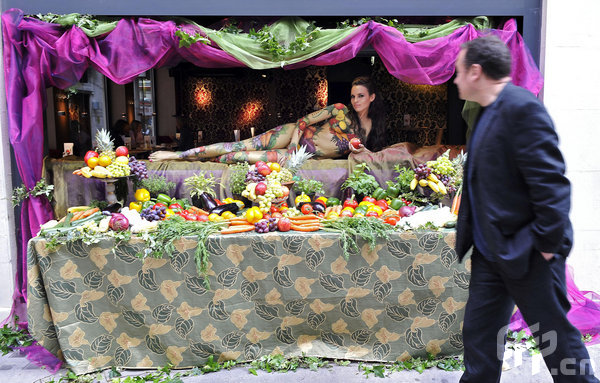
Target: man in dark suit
{"x":515,"y":215}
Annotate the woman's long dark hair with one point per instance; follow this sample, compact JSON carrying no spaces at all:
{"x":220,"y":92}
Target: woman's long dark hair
{"x":378,"y":138}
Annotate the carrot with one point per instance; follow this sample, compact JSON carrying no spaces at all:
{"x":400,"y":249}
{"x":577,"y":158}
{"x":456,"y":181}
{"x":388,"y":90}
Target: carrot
{"x":77,"y":215}
{"x":238,"y":223}
{"x":303,"y":217}
{"x":87,"y":213}
{"x":305,"y":227}
{"x":237,"y":229}
{"x":456,"y":203}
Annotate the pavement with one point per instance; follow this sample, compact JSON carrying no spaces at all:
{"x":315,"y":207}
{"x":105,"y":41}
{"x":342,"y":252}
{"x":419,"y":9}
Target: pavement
{"x":519,"y":367}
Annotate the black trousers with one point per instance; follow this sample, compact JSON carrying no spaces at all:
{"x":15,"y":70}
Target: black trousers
{"x":541,"y":297}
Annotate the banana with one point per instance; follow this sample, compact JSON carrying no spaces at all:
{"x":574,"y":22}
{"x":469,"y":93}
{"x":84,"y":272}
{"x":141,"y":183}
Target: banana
{"x":433,"y":186}
{"x":423,"y":182}
{"x":433,"y":178}
{"x":75,"y":209}
{"x":414,"y":183}
{"x":86,"y":172}
{"x":442,"y":187}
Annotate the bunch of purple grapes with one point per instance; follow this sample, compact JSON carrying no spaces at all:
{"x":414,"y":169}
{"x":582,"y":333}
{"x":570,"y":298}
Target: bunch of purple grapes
{"x":254,"y":176}
{"x":272,"y":224}
{"x":138,"y":168}
{"x":262,"y":226}
{"x":445,"y":179}
{"x":154,"y":214}
{"x":422,"y":171}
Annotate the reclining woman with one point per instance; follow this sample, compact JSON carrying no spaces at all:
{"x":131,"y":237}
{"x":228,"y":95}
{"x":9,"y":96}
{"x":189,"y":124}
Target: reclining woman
{"x":326,"y":133}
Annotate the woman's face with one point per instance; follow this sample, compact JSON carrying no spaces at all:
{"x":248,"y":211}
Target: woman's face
{"x":360,"y":98}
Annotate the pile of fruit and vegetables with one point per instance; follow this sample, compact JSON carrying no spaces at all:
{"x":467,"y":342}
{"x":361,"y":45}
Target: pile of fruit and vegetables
{"x":411,"y":201}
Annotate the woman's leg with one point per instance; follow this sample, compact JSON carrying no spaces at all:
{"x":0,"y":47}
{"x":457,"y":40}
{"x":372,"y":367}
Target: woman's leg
{"x":276,"y":155}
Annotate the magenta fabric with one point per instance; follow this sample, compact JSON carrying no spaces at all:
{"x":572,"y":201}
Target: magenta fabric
{"x":38,"y":55}
{"x":584,"y":313}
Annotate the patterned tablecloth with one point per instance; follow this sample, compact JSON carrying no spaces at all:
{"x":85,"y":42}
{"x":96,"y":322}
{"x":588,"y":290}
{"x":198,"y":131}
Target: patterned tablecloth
{"x":290,"y":293}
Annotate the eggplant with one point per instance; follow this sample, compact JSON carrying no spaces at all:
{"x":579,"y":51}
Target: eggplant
{"x":232,"y":207}
{"x":347,"y":194}
{"x":113,"y":208}
{"x":318,"y":207}
{"x":207,"y":201}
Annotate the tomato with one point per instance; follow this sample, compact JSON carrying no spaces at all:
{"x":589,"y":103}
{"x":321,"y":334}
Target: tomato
{"x":346,"y":213}
{"x":274,"y":209}
{"x":277,"y":215}
{"x":283,"y":206}
{"x":306,"y":208}
{"x":371,"y":214}
{"x":202,"y":217}
{"x":322,"y":201}
{"x":392,"y":220}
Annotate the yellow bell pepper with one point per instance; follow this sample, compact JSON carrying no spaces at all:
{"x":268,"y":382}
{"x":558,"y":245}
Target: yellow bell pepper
{"x":227,"y":215}
{"x":366,"y":203}
{"x":376,"y":209}
{"x":169,"y":213}
{"x":228,"y":200}
{"x":142,"y":195}
{"x":137,"y":206}
{"x":301,"y":198}
{"x":253,"y":214}
{"x":215,"y":217}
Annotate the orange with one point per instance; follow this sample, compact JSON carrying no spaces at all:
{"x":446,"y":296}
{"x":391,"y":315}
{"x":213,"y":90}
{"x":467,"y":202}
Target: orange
{"x":92,"y":162}
{"x":104,"y":161}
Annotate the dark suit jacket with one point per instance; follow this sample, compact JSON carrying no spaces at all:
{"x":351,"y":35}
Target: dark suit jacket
{"x":518,"y":186}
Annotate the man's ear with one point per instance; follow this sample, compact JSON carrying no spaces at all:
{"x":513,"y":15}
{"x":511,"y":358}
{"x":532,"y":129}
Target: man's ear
{"x":475,"y":71}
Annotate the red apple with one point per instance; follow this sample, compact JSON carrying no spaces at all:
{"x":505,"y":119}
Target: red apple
{"x":261,"y":188}
{"x":285,"y":190}
{"x":355,"y":142}
{"x":264,"y":170}
{"x":90,"y":154}
{"x":121,"y":151}
{"x":284,"y":224}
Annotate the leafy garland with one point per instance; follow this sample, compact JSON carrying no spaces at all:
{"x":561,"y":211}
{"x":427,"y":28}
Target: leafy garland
{"x":422,"y":32}
{"x":41,"y":188}
{"x":160,"y":242}
{"x":278,"y":51}
{"x":186,"y":40}
{"x":367,"y":228}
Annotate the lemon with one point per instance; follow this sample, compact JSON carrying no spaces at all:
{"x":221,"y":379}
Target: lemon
{"x":104,"y":161}
{"x":122,"y":160}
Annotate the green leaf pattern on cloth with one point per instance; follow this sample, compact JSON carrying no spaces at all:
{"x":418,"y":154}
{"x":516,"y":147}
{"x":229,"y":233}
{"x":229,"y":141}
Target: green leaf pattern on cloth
{"x":281,"y":292}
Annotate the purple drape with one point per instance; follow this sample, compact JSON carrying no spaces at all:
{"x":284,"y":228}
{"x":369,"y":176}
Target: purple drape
{"x":38,"y":55}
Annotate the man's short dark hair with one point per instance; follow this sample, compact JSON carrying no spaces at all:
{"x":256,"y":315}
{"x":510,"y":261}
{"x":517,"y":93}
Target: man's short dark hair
{"x":491,"y":53}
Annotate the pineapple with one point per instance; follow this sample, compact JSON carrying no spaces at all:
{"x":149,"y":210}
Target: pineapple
{"x":294,"y":163}
{"x":105,"y":144}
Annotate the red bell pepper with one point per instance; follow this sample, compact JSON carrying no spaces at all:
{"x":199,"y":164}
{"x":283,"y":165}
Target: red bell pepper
{"x":369,"y":199}
{"x":351,"y":202}
{"x":175,"y":207}
{"x":159,"y":204}
{"x":382,"y":204}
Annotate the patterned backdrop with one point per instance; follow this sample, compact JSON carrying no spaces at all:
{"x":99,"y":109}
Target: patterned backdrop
{"x":218,"y":105}
{"x":426,"y":104}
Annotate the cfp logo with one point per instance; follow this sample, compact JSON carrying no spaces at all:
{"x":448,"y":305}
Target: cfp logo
{"x":547,"y":344}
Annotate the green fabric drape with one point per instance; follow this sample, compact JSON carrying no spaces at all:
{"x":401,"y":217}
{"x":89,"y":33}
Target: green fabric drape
{"x":91,"y":27}
{"x":418,"y":33}
{"x":248,"y":50}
